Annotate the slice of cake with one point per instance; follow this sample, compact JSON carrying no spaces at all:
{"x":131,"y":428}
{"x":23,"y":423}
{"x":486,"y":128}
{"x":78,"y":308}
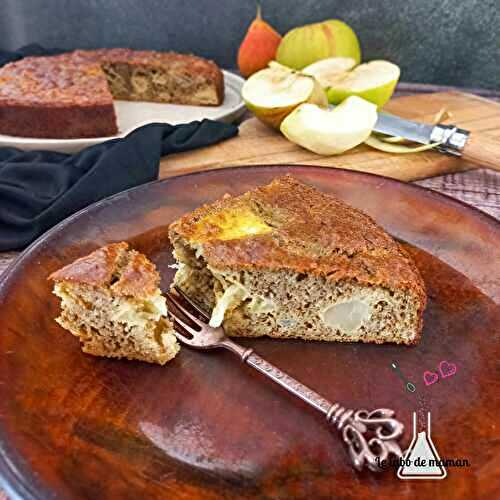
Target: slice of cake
{"x":288,"y":261}
{"x":111,"y":301}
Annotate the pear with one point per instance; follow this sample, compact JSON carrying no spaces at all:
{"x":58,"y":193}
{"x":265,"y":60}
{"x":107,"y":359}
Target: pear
{"x":374,"y":81}
{"x":327,"y":71}
{"x":275,"y":92}
{"x":331,"y":132}
{"x":307,"y":44}
{"x":258,"y":47}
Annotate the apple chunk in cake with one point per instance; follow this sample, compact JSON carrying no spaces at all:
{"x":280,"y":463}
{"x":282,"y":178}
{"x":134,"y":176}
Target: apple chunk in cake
{"x":286,"y":260}
{"x":111,"y":301}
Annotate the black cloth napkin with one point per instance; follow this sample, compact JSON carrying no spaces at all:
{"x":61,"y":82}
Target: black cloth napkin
{"x":38,"y":189}
{"x":32,"y":49}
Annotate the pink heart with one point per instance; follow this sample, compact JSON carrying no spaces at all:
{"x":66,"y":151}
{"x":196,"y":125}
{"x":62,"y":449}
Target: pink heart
{"x":430,"y":377}
{"x":447,"y":369}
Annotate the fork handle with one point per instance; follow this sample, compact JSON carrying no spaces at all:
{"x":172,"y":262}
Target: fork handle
{"x":289,"y":383}
{"x":353,"y":425}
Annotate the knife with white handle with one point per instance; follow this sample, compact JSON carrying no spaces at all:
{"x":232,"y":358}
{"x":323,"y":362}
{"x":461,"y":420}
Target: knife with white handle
{"x":455,"y":141}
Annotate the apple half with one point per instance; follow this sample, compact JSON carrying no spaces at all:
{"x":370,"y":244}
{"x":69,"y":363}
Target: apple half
{"x":374,"y":81}
{"x":273,"y":93}
{"x":331,"y":132}
{"x":330,"y":70}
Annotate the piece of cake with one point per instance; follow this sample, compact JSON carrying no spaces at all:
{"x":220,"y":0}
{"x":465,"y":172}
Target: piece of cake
{"x":287,"y":260}
{"x":71,"y":95}
{"x":111,"y":301}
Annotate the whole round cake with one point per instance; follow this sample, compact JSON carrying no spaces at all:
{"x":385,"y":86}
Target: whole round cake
{"x":71,"y":95}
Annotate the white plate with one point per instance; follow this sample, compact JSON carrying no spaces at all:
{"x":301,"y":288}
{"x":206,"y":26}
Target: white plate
{"x":132,"y":115}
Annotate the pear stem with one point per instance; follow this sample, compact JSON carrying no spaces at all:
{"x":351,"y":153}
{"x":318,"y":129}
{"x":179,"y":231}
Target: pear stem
{"x":258,"y":17}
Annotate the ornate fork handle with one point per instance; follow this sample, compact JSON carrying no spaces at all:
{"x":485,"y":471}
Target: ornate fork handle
{"x":354,"y":426}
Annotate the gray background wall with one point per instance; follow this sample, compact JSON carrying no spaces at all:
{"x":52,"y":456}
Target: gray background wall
{"x":455,"y":42}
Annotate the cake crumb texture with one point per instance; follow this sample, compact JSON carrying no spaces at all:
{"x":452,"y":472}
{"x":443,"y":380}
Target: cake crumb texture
{"x":111,"y":301}
{"x":324,"y":270}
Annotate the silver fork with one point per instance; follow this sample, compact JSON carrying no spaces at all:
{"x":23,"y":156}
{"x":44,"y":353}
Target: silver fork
{"x":355,"y":426}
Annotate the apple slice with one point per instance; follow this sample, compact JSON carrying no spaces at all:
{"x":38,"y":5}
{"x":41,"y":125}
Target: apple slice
{"x":332,"y":132}
{"x":273,"y":93}
{"x":374,"y":81}
{"x":328,"y":71}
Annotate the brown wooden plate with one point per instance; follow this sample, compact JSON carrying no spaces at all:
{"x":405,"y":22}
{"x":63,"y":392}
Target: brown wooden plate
{"x":204,"y":425}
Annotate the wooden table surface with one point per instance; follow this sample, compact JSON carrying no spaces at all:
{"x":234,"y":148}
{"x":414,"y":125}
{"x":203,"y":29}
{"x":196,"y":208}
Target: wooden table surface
{"x":479,"y":188}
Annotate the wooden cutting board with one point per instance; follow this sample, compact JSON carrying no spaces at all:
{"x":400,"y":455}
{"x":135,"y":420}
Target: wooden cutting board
{"x":259,"y":144}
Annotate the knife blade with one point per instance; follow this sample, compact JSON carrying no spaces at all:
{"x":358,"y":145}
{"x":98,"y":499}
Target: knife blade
{"x":479,"y":149}
{"x":452,"y":140}
{"x":399,"y":127}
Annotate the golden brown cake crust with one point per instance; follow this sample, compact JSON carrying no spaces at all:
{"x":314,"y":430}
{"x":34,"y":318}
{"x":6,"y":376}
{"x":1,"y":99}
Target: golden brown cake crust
{"x":56,"y":80}
{"x":139,"y":278}
{"x":111,"y":301}
{"x":311,"y":233}
{"x":55,"y":97}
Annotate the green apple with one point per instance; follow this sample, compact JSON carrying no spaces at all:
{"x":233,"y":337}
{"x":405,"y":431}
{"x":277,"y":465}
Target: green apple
{"x":374,"y":81}
{"x":328,"y":71}
{"x":331,"y":132}
{"x":305,"y":45}
{"x":273,"y":93}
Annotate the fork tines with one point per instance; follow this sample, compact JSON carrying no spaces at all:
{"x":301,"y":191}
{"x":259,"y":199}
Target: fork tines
{"x":185,"y":313}
{"x":192,"y":303}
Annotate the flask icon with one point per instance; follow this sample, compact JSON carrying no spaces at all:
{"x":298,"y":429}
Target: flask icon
{"x":421,"y":459}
